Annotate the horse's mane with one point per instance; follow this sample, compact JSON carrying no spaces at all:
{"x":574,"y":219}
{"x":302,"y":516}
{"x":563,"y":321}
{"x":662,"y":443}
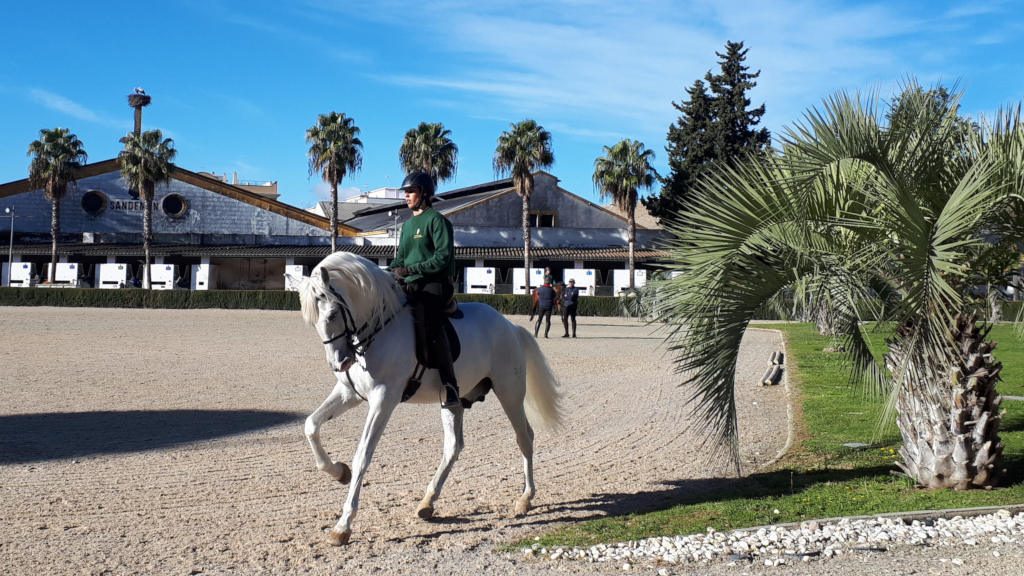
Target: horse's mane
{"x":371,"y":294}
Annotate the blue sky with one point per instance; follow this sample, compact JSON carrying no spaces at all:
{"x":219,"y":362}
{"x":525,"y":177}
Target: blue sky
{"x":236,"y":84}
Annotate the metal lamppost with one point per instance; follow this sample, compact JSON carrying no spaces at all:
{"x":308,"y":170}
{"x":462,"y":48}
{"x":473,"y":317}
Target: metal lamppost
{"x":10,"y":246}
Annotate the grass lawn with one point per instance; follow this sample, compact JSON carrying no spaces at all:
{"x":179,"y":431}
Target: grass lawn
{"x":819,"y":478}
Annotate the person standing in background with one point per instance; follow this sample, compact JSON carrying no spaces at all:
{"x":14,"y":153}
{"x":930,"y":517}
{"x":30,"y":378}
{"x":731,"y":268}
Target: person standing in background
{"x":545,"y":304}
{"x":570,"y":298}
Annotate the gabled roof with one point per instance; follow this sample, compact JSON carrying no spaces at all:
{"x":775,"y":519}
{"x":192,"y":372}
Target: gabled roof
{"x":447,"y":203}
{"x":644,"y":220}
{"x":346,"y":210}
{"x":200,"y":181}
{"x":376,"y":216}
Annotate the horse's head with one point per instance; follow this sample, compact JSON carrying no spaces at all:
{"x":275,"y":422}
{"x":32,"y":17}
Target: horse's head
{"x":326,"y":310}
{"x":348,"y":299}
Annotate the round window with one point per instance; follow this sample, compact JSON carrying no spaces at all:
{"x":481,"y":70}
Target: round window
{"x":94,"y":202}
{"x":174,"y":205}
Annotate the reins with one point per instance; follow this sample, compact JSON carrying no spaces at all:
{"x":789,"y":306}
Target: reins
{"x":359,"y":343}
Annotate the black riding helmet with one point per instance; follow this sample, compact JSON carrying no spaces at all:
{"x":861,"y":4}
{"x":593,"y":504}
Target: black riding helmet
{"x":420,"y":180}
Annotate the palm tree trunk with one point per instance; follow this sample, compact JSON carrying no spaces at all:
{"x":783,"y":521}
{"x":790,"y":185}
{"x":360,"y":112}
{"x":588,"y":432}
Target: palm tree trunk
{"x":334,"y":216}
{"x":632,"y":247}
{"x":526,"y":239}
{"x":54,"y":232}
{"x":995,"y":306}
{"x":147,"y":238}
{"x":949,"y":416}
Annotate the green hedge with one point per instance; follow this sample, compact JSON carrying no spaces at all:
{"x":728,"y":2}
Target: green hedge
{"x":246,"y":299}
{"x":95,"y":298}
{"x":520,"y":304}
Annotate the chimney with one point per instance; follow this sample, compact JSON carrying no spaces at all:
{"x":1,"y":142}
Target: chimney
{"x":234,"y":177}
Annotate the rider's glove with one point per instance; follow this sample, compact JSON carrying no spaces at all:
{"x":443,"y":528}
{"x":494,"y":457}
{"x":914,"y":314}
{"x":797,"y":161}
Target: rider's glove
{"x":400,"y":272}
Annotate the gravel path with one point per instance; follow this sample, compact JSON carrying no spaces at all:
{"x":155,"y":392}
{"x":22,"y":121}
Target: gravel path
{"x":170,"y":442}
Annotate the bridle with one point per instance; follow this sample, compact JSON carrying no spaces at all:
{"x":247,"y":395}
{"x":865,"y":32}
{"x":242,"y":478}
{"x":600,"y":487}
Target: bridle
{"x":356,"y":340}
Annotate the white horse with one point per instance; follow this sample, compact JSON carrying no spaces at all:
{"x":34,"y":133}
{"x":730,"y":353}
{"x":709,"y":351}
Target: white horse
{"x":360,"y":314}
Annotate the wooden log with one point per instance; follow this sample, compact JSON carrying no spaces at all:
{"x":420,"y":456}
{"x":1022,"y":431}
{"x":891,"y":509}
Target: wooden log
{"x":772,"y":376}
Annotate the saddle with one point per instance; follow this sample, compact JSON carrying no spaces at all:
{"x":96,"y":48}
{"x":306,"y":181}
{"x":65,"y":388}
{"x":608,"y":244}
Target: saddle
{"x":425,"y":351}
{"x":425,"y":359}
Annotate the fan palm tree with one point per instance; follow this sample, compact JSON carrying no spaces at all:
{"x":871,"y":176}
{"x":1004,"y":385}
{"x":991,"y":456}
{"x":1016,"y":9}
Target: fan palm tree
{"x":861,"y":207}
{"x":146,"y":161}
{"x":521,"y":151}
{"x":56,"y":158}
{"x":429,"y":147}
{"x":624,"y":169}
{"x":334,"y":151}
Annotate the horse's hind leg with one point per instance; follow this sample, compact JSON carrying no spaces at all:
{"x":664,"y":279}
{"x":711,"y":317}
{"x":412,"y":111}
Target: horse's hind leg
{"x":451,"y":422}
{"x":516,"y":413}
{"x":381,"y":407}
{"x":340,"y":399}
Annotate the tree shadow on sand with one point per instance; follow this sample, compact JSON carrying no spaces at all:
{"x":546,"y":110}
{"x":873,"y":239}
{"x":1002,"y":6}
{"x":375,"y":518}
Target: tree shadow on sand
{"x":53,"y":436}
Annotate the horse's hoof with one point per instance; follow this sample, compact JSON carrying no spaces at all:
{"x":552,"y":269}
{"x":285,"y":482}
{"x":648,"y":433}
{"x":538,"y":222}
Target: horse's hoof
{"x":425,"y":512}
{"x":335,"y":538}
{"x":522,"y":507}
{"x":346,"y":474}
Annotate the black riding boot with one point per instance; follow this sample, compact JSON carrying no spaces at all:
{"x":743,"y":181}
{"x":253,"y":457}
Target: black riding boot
{"x":434,"y":297}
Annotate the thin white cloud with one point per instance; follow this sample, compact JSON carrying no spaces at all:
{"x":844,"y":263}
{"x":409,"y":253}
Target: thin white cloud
{"x":968,"y":10}
{"x":63,"y":105}
{"x":607,"y":136}
{"x":616,"y":68}
{"x":69,"y":107}
{"x":291,"y":35}
{"x":322,"y":191}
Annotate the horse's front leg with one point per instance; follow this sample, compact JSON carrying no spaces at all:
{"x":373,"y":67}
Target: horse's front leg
{"x":338,"y":401}
{"x":382,"y":404}
{"x":451,"y":422}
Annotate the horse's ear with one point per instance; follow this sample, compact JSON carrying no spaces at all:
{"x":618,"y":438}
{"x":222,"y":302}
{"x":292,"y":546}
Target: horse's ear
{"x":325,"y":276}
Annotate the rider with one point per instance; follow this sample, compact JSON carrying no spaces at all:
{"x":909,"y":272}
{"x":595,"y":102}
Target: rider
{"x":425,"y":267}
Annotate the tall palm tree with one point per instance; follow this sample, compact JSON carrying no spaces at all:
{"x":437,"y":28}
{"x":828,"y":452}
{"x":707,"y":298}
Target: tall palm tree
{"x":146,"y":161}
{"x":864,"y":207}
{"x":624,"y":169}
{"x":334,"y":151}
{"x":56,"y":157}
{"x":429,"y":147}
{"x":521,"y":151}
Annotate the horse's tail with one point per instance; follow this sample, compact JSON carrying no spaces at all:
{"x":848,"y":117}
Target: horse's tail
{"x":543,"y":400}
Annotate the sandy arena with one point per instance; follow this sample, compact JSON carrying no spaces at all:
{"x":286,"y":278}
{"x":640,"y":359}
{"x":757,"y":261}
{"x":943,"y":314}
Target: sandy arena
{"x":170,"y":442}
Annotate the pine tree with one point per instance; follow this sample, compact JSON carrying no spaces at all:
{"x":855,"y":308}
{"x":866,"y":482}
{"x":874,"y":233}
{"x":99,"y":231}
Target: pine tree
{"x":736,"y":132}
{"x":713,"y":126}
{"x":691,"y":149}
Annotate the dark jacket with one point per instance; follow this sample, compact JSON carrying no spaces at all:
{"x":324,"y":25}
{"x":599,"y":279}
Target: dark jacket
{"x":546,"y":297}
{"x":570,"y":296}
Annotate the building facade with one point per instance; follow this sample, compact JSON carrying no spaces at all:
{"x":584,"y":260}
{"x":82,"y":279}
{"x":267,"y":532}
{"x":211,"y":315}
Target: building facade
{"x":249,"y":237}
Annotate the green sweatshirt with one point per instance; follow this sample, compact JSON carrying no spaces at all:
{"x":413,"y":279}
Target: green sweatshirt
{"x":427,"y":248}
